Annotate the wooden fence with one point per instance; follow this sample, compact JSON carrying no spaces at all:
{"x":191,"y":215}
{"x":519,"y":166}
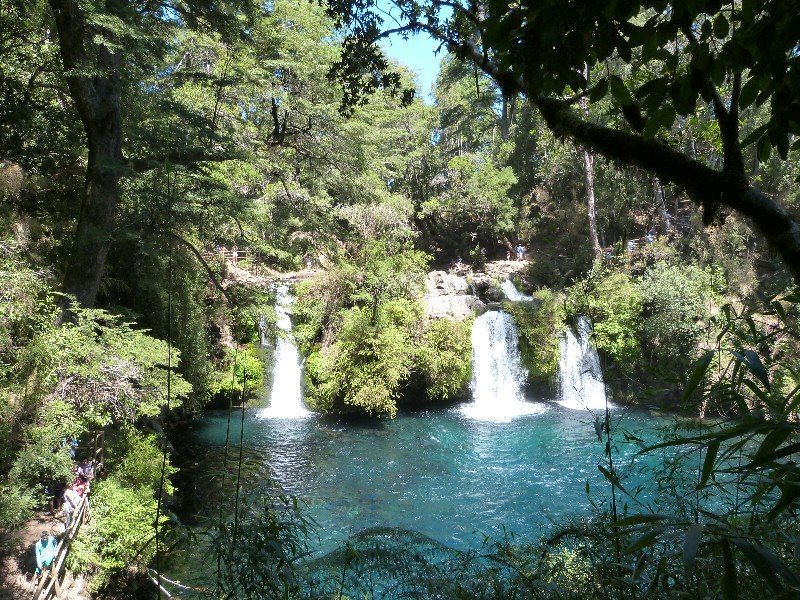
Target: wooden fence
{"x":50,"y":581}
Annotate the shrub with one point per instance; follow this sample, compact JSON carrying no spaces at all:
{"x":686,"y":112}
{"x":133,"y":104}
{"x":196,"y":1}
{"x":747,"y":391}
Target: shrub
{"x":613,"y":301}
{"x":444,"y":358}
{"x":120,"y":535}
{"x":539,"y":324}
{"x":677,"y":301}
{"x":366,"y":365}
{"x":242,"y":370}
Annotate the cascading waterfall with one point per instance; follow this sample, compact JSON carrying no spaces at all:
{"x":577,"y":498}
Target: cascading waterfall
{"x":581,"y":379}
{"x":512,"y":293}
{"x":286,"y":396}
{"x":497,"y":371}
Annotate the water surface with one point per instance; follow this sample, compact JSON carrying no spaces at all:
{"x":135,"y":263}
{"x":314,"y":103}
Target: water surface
{"x":440,"y":473}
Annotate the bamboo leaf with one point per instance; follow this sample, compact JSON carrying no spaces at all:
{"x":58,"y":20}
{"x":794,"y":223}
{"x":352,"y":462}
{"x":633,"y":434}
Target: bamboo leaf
{"x":790,"y":493}
{"x":642,"y":519}
{"x":708,"y":463}
{"x":612,"y":477}
{"x":691,"y":542}
{"x":762,"y":563}
{"x":771,"y":442}
{"x":753,"y":362}
{"x":697,"y":374}
{"x":645,"y":540}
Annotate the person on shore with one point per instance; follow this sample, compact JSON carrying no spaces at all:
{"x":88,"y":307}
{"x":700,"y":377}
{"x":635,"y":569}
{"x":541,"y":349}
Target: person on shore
{"x":46,"y":549}
{"x":72,"y":500}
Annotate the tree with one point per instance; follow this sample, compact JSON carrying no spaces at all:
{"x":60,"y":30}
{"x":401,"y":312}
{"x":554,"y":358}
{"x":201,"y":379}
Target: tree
{"x":654,"y":59}
{"x":105,"y":48}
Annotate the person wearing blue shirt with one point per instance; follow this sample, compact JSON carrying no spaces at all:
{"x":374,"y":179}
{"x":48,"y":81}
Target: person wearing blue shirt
{"x":46,"y":549}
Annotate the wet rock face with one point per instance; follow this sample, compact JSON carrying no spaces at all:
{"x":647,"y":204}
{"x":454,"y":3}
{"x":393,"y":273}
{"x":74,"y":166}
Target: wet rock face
{"x":448,"y":297}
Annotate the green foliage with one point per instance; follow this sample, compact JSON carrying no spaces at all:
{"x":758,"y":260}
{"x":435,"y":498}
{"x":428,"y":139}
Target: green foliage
{"x":677,"y":301}
{"x":138,"y":459}
{"x":612,"y":300}
{"x":261,"y":555}
{"x":540,"y":323}
{"x":241,"y":373}
{"x":105,"y":369}
{"x":45,"y":456}
{"x":741,"y":496}
{"x":119,"y":537}
{"x":444,"y":358}
{"x":369,"y":361}
{"x":17,"y":506}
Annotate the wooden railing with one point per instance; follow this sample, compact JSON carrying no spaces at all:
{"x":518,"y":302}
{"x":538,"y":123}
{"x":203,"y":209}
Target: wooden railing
{"x":51,"y":580}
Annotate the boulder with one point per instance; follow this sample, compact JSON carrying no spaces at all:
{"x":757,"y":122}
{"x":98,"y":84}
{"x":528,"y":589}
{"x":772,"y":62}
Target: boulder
{"x":448,"y":297}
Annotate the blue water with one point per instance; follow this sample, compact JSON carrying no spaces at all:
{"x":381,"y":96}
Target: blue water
{"x":438,"y":473}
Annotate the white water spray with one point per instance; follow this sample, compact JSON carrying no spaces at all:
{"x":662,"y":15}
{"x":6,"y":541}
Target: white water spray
{"x":286,"y":396}
{"x":580,"y":376}
{"x":512,"y":293}
{"x":497,"y":372}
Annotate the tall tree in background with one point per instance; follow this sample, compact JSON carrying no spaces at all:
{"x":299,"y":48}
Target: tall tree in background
{"x":657,"y":59}
{"x":104,"y":46}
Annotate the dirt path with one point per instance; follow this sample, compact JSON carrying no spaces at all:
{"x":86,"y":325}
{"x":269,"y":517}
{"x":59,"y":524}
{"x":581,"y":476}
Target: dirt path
{"x":18,"y":561}
{"x":17,"y":556}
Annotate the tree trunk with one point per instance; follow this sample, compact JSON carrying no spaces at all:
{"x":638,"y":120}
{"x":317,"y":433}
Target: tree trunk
{"x":661,"y":204}
{"x":507,"y":114}
{"x":588,"y":168}
{"x":97,"y":101}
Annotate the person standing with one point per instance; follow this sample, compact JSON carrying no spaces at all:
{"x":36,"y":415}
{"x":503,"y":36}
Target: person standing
{"x":72,"y":499}
{"x":46,"y":549}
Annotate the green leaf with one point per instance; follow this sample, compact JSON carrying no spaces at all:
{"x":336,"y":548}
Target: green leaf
{"x":749,"y":92}
{"x":721,"y":26}
{"x":645,"y":540}
{"x":790,"y":494}
{"x":697,"y":374}
{"x":708,"y":463}
{"x":691,"y":542}
{"x":663,"y":118}
{"x":612,"y":477}
{"x":764,"y":148}
{"x":763,"y":562}
{"x":642,"y":519}
{"x":619,"y":91}
{"x":598,"y":91}
{"x":752,"y":361}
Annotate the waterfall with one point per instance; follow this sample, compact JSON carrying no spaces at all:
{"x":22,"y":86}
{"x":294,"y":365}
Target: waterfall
{"x":286,"y":396}
{"x":497,"y":371}
{"x":511,"y":292}
{"x":581,"y":379}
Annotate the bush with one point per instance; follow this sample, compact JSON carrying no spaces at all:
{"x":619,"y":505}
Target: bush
{"x":613,"y":301}
{"x":366,"y":365}
{"x":120,"y":536}
{"x":444,"y":358}
{"x":139,"y":460}
{"x":242,"y":370}
{"x":539,"y":324}
{"x":677,"y":301}
{"x":16,"y":506}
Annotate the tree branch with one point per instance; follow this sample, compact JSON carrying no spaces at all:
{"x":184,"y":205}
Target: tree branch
{"x":187,"y":157}
{"x":703,"y":184}
{"x":202,"y":261}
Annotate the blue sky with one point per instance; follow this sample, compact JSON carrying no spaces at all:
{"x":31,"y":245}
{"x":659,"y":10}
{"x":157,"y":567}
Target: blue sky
{"x":417,"y":52}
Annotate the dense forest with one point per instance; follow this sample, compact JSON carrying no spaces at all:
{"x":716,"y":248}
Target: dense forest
{"x":163,"y":164}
